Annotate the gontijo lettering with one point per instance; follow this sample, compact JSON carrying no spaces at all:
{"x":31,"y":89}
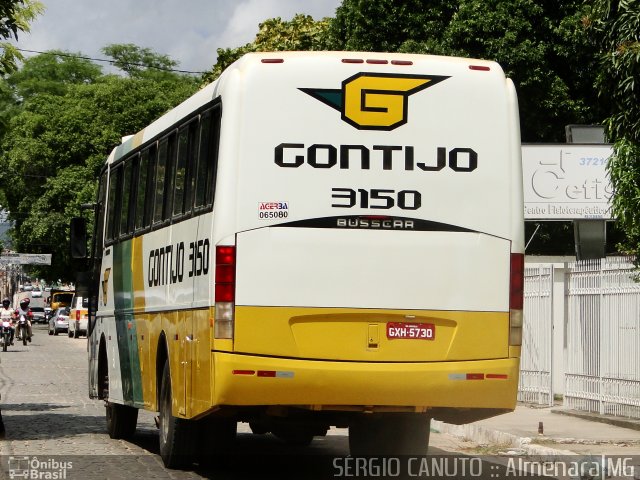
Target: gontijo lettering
{"x":166,"y":265}
{"x":376,"y":157}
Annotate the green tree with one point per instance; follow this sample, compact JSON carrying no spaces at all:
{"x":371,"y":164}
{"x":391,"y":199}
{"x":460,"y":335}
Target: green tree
{"x":52,"y":72}
{"x":386,"y":25}
{"x":616,"y":26}
{"x":543,"y":46}
{"x":15,"y":16}
{"x":56,"y":145}
{"x":137,"y":61}
{"x":302,"y":32}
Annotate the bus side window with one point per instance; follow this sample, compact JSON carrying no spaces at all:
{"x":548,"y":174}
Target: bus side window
{"x":112,"y":209}
{"x":160,"y":180}
{"x":207,"y":157}
{"x":194,"y":134}
{"x":181,"y":190}
{"x":99,"y":240}
{"x":145,"y":188}
{"x":170,"y":167}
{"x":143,"y":175}
{"x":201,"y":168}
{"x":126,"y":197}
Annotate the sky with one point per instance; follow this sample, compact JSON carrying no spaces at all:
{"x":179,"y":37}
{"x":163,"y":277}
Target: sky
{"x":188,"y":31}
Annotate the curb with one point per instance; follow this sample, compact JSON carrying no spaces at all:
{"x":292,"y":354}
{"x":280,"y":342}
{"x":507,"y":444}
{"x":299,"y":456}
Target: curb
{"x":596,"y":417}
{"x":482,"y":435}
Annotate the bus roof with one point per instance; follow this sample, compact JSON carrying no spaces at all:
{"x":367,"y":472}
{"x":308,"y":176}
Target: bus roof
{"x":208,"y":93}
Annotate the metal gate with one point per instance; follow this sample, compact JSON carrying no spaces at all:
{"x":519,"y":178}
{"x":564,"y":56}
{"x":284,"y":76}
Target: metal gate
{"x":603,"y":338}
{"x":537,"y":337}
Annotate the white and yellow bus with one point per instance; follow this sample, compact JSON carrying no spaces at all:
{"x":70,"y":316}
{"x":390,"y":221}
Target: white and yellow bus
{"x":314,"y":240}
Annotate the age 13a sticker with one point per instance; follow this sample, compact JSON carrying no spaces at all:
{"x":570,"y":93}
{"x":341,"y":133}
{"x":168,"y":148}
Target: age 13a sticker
{"x":271,"y":210}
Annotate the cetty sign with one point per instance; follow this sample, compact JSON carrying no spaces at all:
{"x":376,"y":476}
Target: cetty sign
{"x":566,"y":182}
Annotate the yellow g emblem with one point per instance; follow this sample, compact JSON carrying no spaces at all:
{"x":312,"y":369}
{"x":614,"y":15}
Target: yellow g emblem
{"x":375,"y":101}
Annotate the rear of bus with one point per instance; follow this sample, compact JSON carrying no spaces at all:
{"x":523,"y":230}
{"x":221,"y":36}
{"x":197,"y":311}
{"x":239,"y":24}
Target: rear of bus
{"x":369,"y":233}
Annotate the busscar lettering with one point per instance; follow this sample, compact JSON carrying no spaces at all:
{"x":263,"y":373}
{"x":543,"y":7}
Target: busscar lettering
{"x":388,"y":224}
{"x":166,"y":265}
{"x":383,"y":157}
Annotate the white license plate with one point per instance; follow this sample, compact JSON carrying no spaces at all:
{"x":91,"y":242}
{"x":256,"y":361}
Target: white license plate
{"x":412,"y":331}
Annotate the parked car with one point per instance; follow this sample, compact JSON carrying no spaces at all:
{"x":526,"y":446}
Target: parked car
{"x":38,"y":315}
{"x":59,"y":322}
{"x":79,"y":316}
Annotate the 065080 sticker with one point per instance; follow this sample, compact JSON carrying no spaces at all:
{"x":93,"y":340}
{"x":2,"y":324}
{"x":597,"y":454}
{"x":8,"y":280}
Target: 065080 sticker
{"x":270,"y":210}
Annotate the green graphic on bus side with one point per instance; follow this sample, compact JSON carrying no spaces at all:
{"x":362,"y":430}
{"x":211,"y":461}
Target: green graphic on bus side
{"x":126,"y":324}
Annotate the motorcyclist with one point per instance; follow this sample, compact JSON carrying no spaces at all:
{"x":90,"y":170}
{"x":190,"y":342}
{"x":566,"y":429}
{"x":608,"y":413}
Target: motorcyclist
{"x":6,"y":314}
{"x":25,"y":311}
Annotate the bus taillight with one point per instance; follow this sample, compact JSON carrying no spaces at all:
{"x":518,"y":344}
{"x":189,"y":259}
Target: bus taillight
{"x":225,"y":289}
{"x":516,"y":299}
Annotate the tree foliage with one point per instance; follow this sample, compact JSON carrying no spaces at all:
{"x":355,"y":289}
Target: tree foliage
{"x":137,"y":61}
{"x":616,"y":26}
{"x":387,"y":25}
{"x":302,"y":32}
{"x":542,"y":46}
{"x":15,"y":16}
{"x":52,"y":72}
{"x":58,"y":140}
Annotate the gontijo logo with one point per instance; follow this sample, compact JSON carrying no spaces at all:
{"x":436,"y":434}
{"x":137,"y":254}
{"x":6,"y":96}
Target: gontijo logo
{"x":374,"y":101}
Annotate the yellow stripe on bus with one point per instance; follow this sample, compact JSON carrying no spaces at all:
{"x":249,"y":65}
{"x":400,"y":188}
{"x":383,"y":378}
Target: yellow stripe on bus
{"x":363,"y":335}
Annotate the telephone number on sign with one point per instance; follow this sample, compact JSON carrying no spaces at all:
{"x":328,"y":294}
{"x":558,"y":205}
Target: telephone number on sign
{"x":277,"y":214}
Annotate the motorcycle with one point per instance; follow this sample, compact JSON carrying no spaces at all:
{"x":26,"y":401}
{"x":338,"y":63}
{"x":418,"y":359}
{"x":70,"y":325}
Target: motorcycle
{"x":5,"y":334}
{"x":22,"y":331}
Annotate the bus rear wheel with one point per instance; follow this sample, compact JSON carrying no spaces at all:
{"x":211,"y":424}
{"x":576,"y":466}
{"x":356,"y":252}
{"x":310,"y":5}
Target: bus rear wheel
{"x":121,"y":420}
{"x":177,"y":441}
{"x":389,"y":435}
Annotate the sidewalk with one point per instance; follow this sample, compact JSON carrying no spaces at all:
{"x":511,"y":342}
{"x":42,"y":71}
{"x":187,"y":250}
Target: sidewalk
{"x":565,"y":432}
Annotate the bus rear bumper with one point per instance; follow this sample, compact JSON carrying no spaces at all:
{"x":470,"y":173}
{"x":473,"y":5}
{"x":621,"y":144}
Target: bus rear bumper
{"x":245,"y":380}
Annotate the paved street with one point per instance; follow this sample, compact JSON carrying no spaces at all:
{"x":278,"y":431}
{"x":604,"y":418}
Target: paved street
{"x":49,"y":417}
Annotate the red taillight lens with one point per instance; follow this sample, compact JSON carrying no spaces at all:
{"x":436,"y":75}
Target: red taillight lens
{"x":225,"y":274}
{"x":78,"y":315}
{"x":516,"y":297}
{"x":225,"y":255}
{"x":224,"y":292}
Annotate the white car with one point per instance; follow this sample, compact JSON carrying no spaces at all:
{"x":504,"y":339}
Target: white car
{"x":59,"y":322}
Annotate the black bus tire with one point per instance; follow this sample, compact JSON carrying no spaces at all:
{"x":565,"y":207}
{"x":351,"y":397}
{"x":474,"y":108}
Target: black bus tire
{"x":121,"y":420}
{"x":389,"y":435}
{"x":177,"y":442}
